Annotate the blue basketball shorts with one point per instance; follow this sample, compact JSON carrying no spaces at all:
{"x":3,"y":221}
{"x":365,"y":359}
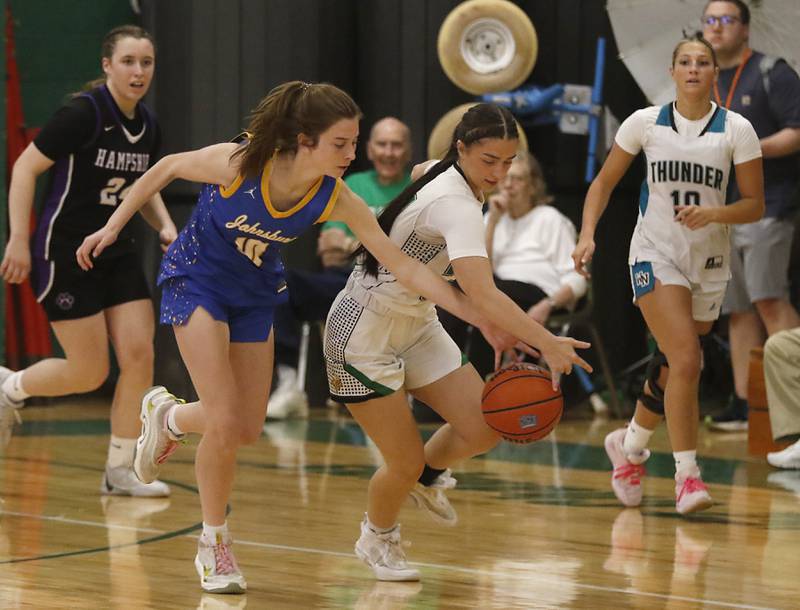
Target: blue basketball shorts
{"x":180,"y":297}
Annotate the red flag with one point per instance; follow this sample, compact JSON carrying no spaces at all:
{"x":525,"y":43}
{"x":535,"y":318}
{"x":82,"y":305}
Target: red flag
{"x":27,"y":329}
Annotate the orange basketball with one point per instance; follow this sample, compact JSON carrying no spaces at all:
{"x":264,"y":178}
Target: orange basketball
{"x":518,"y":401}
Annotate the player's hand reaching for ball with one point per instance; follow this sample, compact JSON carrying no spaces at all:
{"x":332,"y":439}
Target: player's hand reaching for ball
{"x":560,"y":356}
{"x":502,"y":342}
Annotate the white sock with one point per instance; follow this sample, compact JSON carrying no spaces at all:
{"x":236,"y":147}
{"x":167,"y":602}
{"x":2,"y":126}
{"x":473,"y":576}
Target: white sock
{"x":636,"y":438}
{"x":212,"y":531}
{"x":379,"y":530}
{"x":686,"y":463}
{"x":120,"y":452}
{"x":173,"y":431}
{"x":287,"y":375}
{"x":12,"y":387}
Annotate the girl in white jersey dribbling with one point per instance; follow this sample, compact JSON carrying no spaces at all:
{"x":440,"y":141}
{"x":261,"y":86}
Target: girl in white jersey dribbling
{"x":383,"y":339}
{"x":679,"y":255}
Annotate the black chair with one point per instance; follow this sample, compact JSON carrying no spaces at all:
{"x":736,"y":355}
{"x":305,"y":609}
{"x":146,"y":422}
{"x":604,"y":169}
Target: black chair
{"x":582,"y":317}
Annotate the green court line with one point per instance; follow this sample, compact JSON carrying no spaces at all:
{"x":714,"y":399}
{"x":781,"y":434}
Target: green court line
{"x":100,"y":549}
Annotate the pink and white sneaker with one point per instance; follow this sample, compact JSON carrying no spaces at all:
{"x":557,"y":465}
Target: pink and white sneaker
{"x":626,"y":480}
{"x":154,"y":444}
{"x":691,"y":494}
{"x":217,"y":567}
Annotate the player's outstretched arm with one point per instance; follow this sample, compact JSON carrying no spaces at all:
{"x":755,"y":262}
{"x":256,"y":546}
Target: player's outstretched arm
{"x":16,"y":264}
{"x":210,"y":164}
{"x":614,"y":168}
{"x":474,"y":274}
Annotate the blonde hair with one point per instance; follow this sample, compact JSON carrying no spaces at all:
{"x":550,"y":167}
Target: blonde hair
{"x":536,"y":178}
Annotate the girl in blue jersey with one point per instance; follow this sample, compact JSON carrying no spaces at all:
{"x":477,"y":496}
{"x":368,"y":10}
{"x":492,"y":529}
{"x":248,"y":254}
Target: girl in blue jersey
{"x":222,"y":279}
{"x":678,"y":256}
{"x":94,"y":148}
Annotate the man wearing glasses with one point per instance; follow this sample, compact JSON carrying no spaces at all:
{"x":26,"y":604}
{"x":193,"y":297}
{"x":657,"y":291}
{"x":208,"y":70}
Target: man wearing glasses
{"x":766,"y":91}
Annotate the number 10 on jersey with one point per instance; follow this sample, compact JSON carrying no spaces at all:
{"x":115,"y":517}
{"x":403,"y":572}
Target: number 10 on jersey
{"x":689,"y":198}
{"x":251,"y":248}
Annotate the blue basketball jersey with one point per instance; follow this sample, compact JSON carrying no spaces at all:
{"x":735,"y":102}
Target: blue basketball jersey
{"x":231,"y":245}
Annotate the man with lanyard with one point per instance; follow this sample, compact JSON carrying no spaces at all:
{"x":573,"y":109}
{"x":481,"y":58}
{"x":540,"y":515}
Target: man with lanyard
{"x":766,"y":91}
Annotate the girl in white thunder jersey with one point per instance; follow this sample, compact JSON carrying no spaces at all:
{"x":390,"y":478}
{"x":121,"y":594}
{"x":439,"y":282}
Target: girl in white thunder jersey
{"x":678,"y":255}
{"x":383,"y":339}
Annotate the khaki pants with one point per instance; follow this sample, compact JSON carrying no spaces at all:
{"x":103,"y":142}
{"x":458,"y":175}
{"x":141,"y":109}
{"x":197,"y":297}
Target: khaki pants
{"x":782,"y":377}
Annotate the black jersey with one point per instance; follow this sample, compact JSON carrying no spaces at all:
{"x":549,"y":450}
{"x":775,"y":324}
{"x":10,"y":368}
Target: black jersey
{"x":98,"y":154}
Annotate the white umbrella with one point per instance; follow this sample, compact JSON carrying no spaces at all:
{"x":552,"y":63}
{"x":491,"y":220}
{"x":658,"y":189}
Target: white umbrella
{"x":647,"y":31}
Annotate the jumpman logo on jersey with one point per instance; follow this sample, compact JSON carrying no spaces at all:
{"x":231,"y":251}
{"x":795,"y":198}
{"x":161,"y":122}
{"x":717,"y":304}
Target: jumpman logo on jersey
{"x":251,"y":191}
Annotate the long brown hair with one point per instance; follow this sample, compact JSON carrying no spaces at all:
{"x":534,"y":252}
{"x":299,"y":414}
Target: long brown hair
{"x":287,"y":111}
{"x":109,"y":44}
{"x":479,"y":122}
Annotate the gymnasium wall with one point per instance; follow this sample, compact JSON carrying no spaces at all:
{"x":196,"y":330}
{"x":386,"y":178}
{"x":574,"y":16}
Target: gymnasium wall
{"x":57,"y":50}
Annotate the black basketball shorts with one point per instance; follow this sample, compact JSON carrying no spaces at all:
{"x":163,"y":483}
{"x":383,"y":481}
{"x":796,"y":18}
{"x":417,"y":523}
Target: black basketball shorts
{"x":67,"y":292}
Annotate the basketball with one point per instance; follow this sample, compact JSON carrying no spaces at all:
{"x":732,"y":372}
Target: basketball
{"x":518,"y":401}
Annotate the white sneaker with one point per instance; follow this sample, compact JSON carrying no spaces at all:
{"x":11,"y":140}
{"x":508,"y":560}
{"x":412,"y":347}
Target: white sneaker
{"x":626,"y":479}
{"x":786,"y":458}
{"x":691,"y":494}
{"x":384,"y":554}
{"x":154,"y":444}
{"x":123,"y":482}
{"x":433,"y":500}
{"x":217,"y":567}
{"x":287,"y":401}
{"x":9,"y":410}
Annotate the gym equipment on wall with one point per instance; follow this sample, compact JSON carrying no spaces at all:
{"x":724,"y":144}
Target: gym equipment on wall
{"x":488,"y":46}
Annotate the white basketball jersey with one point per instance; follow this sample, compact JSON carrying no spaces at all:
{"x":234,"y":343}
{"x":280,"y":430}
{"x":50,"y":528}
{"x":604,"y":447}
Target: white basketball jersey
{"x":443,"y":223}
{"x":686,"y":165}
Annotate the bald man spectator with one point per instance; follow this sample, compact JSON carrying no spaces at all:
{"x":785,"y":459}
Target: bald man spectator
{"x":389,"y":150}
{"x":311,"y":293}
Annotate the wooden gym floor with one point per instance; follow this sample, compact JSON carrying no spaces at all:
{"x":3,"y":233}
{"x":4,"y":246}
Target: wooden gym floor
{"x":539,"y":526}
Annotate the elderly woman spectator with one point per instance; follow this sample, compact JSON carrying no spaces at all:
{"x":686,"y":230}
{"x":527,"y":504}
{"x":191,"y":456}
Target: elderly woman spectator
{"x":530,"y":244}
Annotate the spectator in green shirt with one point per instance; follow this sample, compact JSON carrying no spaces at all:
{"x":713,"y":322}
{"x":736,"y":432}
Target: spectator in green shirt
{"x":389,"y":149}
{"x":311,"y":293}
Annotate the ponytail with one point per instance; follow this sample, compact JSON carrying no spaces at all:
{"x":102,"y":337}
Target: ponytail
{"x":287,"y":111}
{"x":479,"y":122}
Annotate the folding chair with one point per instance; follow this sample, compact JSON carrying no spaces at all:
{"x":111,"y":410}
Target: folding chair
{"x":582,"y":316}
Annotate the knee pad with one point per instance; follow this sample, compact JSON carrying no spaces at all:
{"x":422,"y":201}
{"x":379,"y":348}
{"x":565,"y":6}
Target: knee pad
{"x":654,"y":403}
